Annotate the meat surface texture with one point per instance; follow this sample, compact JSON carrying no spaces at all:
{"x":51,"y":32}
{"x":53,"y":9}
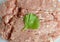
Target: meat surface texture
{"x":11,"y":20}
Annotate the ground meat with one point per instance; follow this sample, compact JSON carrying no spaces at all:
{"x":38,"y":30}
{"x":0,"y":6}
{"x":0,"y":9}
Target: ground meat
{"x":11,"y":20}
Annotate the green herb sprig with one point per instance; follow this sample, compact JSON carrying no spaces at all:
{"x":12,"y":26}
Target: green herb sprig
{"x":31,"y":21}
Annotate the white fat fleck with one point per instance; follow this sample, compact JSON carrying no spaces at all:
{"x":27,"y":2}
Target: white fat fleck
{"x":52,"y":9}
{"x":28,"y":40}
{"x":52,"y":0}
{"x":46,"y":12}
{"x":39,"y":32}
{"x":50,"y":39}
{"x":40,"y":16}
{"x":47,"y":26}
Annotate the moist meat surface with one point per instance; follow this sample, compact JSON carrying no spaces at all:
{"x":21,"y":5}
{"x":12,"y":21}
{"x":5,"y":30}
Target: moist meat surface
{"x":11,"y":20}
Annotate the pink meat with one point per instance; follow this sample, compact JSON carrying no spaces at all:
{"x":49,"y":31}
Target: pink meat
{"x":13,"y":11}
